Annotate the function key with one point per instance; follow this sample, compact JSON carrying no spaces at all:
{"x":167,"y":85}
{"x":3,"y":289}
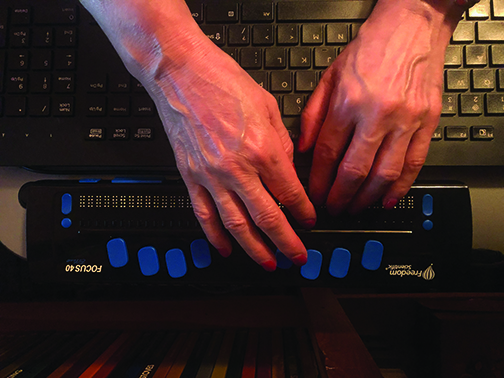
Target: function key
{"x":148,"y":261}
{"x":257,"y":12}
{"x":219,"y":12}
{"x":311,"y":270}
{"x":176,"y":263}
{"x":372,"y":255}
{"x":340,"y":263}
{"x":117,"y":252}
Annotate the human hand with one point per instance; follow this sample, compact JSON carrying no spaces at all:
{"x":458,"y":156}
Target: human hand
{"x":372,"y":115}
{"x":232,"y":151}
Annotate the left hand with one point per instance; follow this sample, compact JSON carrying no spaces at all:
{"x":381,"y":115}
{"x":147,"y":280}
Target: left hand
{"x":373,"y":113}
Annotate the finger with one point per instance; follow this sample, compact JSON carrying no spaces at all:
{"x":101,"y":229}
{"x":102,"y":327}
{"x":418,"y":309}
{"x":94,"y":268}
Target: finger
{"x":387,"y":168}
{"x":282,"y":181}
{"x":235,"y":218}
{"x":266,"y":214}
{"x":413,"y":163}
{"x":329,"y":150}
{"x":315,"y":112}
{"x":354,"y":168}
{"x":208,"y":217}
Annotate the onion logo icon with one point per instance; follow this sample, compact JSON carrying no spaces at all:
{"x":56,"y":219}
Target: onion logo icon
{"x":428,"y":274}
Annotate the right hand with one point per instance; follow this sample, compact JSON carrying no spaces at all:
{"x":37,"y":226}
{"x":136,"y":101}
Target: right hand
{"x":234,"y":155}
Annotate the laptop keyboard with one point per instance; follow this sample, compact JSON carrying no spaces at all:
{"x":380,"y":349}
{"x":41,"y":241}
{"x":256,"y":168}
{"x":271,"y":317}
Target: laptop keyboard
{"x":67,"y":103}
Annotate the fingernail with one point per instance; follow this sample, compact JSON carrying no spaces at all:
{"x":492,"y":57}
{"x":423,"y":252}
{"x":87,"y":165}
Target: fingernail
{"x":390,"y":204}
{"x":309,"y":223}
{"x":269,"y":266}
{"x":300,"y":260}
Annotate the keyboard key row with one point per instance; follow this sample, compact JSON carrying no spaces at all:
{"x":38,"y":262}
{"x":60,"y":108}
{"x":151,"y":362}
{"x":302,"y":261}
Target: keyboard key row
{"x":284,"y":34}
{"x":461,"y":133}
{"x":474,"y":55}
{"x":473,"y":104}
{"x":485,"y":79}
{"x":64,"y":106}
{"x":42,"y":37}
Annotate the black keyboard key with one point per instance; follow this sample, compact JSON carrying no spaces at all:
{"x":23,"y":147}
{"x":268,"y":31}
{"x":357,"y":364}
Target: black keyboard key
{"x":260,"y":77}
{"x":449,"y":103}
{"x":39,"y":106}
{"x":491,"y":31}
{"x":239,"y":35}
{"x":119,"y":106}
{"x":17,"y":83}
{"x":497,"y":55}
{"x":292,"y":105}
{"x":457,"y":80}
{"x":456,"y":132}
{"x":65,"y":60}
{"x":437,"y":134}
{"x":251,"y":58}
{"x":312,"y":34}
{"x":483,"y":79}
{"x":324,"y":56}
{"x":262,"y":35}
{"x":476,"y":55}
{"x":259,"y":11}
{"x":56,"y":15}
{"x":216,"y":33}
{"x":143,"y":106}
{"x":222,"y":12}
{"x":43,"y":37}
{"x":15,"y":106}
{"x":306,"y":81}
{"x":63,"y":106}
{"x":19,"y":60}
{"x":40,"y":82}
{"x":500,"y":75}
{"x":495,"y":103}
{"x":275,"y":58}
{"x":471,"y":104}
{"x":482,"y":132}
{"x":232,"y":52}
{"x":96,"y":106}
{"x":327,"y":10}
{"x":20,"y":37}
{"x":66,"y":37}
{"x":120,"y":133}
{"x":95,"y":133}
{"x":143,"y":133}
{"x":464,"y":33}
{"x":97,"y":83}
{"x":21,"y":16}
{"x":196,"y":11}
{"x":120,"y":82}
{"x":64,"y":83}
{"x":281,"y":81}
{"x":42,"y":60}
{"x":287,"y":34}
{"x":300,"y":57}
{"x":337,"y":33}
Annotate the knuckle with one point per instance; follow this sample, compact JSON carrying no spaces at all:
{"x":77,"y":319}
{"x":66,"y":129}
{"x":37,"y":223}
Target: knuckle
{"x":354,"y":172}
{"x":326,"y":151}
{"x":389,"y":175}
{"x":203,"y":215}
{"x":290,"y":196}
{"x":235,"y":225}
{"x":268,"y":219}
{"x":415,"y":163}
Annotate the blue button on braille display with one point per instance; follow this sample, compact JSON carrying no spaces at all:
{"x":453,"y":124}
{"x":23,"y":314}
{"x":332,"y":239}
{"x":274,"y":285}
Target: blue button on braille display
{"x":66,"y":203}
{"x":176,"y":263}
{"x":200,"y":253}
{"x":148,"y":260}
{"x":282,"y":261}
{"x":117,"y":252}
{"x":311,"y":269}
{"x":427,"y":205}
{"x":340,"y":262}
{"x":372,"y":255}
{"x":66,"y":222}
{"x":427,"y":225}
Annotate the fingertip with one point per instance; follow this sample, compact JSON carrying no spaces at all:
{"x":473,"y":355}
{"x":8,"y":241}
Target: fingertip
{"x":269,"y":265}
{"x":300,"y":259}
{"x":224,"y":252}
